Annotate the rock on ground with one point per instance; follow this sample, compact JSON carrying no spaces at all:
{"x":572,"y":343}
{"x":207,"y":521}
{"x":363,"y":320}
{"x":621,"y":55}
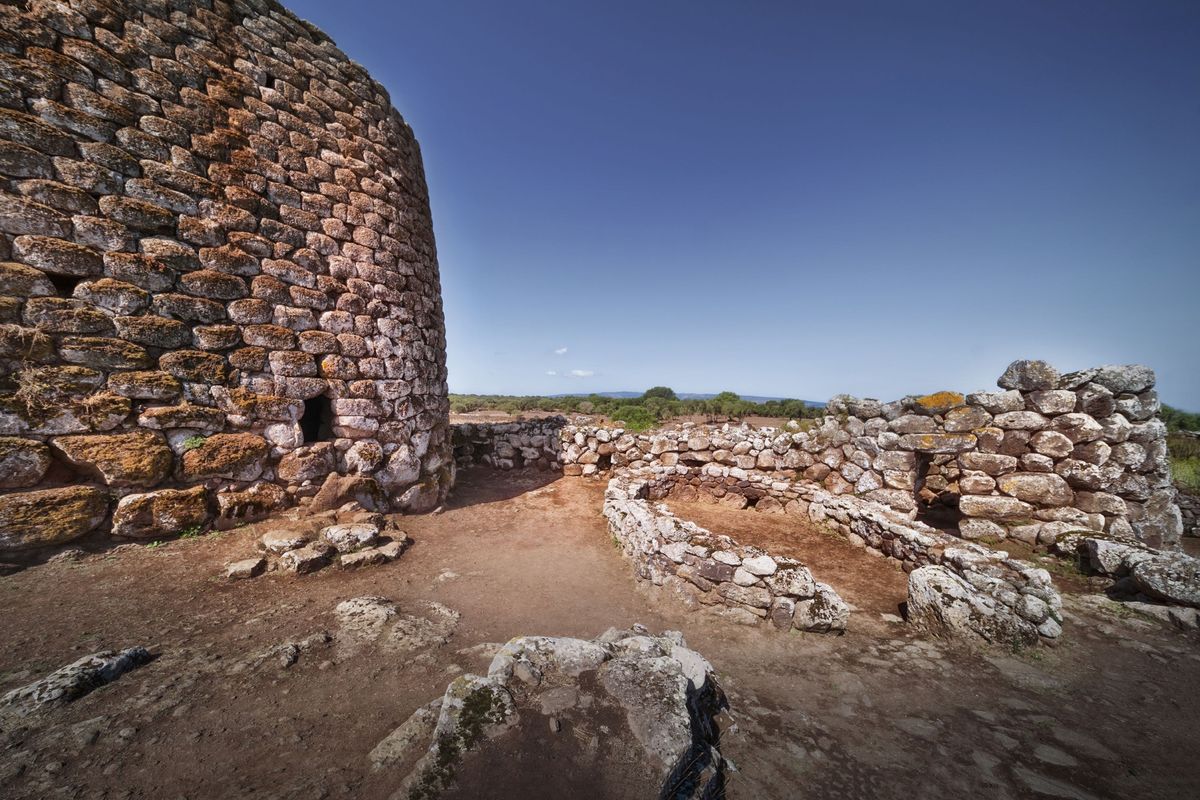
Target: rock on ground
{"x":74,"y":680}
{"x":944,"y":604}
{"x":625,"y":707}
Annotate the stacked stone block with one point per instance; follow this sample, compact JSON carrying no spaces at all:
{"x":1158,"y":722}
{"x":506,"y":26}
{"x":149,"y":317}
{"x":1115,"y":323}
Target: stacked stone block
{"x":208,"y":216}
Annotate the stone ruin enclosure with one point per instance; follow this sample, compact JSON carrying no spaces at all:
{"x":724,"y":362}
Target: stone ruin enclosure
{"x":1048,"y":454}
{"x":218,"y":279}
{"x":1073,"y":464}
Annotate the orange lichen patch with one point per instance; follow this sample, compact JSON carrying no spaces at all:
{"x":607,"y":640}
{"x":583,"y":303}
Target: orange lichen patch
{"x":941,"y":401}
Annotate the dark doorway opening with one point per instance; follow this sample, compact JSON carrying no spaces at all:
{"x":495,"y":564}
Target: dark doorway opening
{"x":64,"y":284}
{"x":317,"y":421}
{"x":937,"y":497}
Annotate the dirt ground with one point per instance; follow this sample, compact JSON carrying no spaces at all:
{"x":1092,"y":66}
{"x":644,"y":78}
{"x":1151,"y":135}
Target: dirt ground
{"x":877,"y":713}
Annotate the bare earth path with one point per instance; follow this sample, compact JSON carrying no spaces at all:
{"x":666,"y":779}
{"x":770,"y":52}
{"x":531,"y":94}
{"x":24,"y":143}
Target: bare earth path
{"x":877,"y":713}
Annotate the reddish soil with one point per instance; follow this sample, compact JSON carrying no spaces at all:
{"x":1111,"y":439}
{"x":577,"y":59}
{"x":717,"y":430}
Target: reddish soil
{"x":878,"y":713}
{"x":867,"y":583}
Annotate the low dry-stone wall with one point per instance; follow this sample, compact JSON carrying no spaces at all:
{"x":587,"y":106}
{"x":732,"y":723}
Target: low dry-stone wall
{"x":982,"y":593}
{"x":1047,"y":455}
{"x":744,"y":583}
{"x":217,"y":272}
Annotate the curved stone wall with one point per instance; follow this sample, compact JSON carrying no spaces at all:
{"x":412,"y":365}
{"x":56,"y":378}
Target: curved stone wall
{"x":218,"y":271}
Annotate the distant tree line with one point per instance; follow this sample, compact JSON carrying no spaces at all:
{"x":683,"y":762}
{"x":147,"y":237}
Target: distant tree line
{"x":1177,"y":420}
{"x":656,"y":405}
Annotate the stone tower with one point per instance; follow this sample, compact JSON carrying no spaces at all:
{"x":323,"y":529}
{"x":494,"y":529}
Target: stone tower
{"x":218,"y":285}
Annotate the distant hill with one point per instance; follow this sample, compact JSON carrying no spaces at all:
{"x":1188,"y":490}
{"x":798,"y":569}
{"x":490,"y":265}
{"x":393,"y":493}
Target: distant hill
{"x":753,"y":398}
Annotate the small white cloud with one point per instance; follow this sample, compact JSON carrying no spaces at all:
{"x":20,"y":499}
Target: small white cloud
{"x":582,"y":373}
{"x":551,"y":372}
{"x":561,"y":351}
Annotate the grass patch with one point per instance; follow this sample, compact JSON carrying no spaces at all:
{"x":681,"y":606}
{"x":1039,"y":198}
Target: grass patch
{"x":1186,"y":472}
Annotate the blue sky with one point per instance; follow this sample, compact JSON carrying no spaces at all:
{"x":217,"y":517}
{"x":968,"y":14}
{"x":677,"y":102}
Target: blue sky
{"x":800,"y":199}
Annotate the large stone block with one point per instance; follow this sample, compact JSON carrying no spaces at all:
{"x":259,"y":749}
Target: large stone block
{"x":166,"y":512}
{"x":232,"y":456}
{"x":29,"y":520}
{"x":994,"y":507}
{"x":139,"y":458}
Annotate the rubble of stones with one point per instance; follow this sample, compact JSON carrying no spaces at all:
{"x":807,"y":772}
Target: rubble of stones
{"x":301,"y":542}
{"x":550,"y":693}
{"x":218,"y":280}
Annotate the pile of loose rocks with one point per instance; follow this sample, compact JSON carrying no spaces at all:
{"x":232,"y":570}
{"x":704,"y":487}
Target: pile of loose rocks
{"x":301,"y":542}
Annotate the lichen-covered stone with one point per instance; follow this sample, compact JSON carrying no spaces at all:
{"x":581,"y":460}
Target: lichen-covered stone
{"x":200,"y":418}
{"x":138,"y":458}
{"x":145,"y":385}
{"x":1029,"y":376}
{"x":29,"y":520}
{"x":232,"y":456}
{"x":194,"y":365}
{"x":166,"y":512}
{"x":942,"y":603}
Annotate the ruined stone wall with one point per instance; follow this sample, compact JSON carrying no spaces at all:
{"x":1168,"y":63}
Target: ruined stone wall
{"x":208,"y":216}
{"x":1049,"y":454}
{"x":1014,"y":600}
{"x":744,"y":584}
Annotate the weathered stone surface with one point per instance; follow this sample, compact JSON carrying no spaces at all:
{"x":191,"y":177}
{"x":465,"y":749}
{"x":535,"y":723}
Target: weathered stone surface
{"x":1021,"y":421}
{"x":138,"y":458}
{"x":249,"y":505}
{"x":47,"y":517}
{"x":246,"y":568}
{"x":145,"y":385}
{"x":198,"y":418}
{"x":73,"y":681}
{"x":966,"y":418}
{"x":1043,"y":489}
{"x":944,"y":604}
{"x":166,"y":512}
{"x":824,"y":612}
{"x":1078,"y":427}
{"x":350,"y":537}
{"x":938,"y":442}
{"x":337,"y":490}
{"x":1053,"y":401}
{"x":23,"y":462}
{"x":1131,"y":378}
{"x":307,"y":463}
{"x":1172,"y":578}
{"x":654,"y":690}
{"x":1029,"y":376}
{"x":990,"y":463}
{"x":994,"y":507}
{"x":281,"y":540}
{"x":997,"y":402}
{"x":309,"y":558}
{"x":233,"y":456}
